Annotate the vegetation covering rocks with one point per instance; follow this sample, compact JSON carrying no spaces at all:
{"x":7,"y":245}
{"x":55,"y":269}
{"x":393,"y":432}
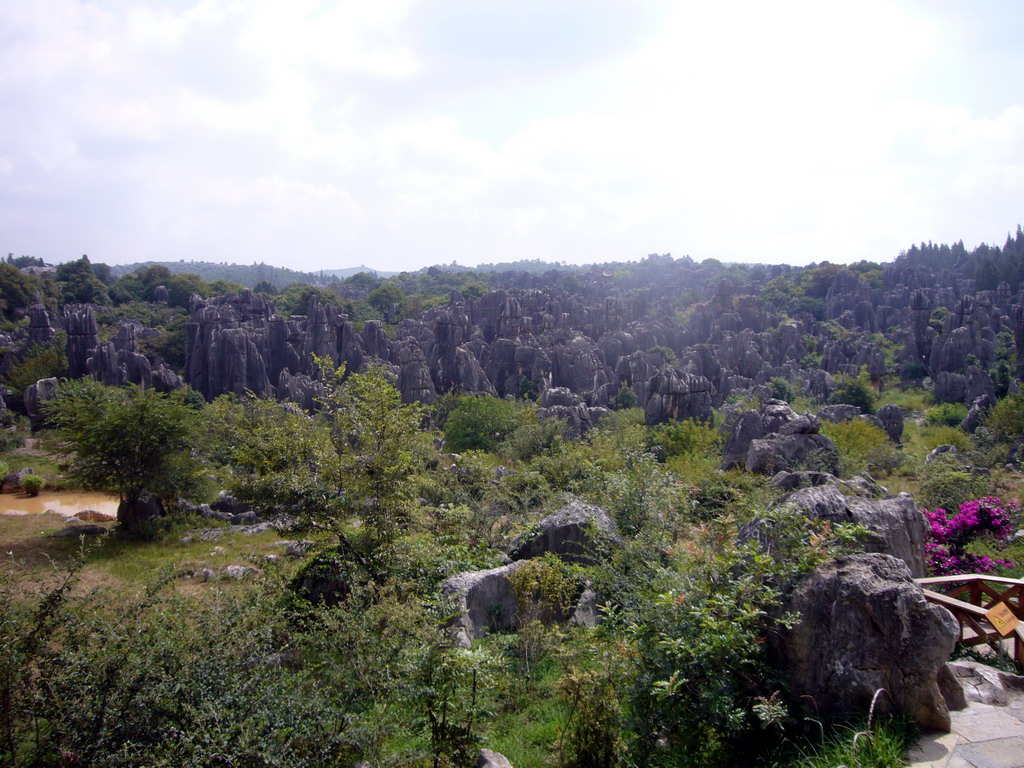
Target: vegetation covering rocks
{"x":606,"y":516}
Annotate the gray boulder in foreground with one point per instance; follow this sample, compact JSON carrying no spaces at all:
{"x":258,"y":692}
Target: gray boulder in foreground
{"x":864,"y":624}
{"x":484,"y":602}
{"x":896,"y":526}
{"x":489,"y":759}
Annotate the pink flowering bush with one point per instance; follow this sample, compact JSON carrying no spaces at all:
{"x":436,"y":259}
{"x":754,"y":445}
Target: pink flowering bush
{"x":948,"y":538}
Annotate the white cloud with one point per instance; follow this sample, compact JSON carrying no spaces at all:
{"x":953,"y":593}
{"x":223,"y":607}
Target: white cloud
{"x":401,"y":133}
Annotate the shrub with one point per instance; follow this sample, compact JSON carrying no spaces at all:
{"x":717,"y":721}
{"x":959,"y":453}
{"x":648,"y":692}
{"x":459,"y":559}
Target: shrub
{"x":854,"y":390}
{"x":1007,"y":418}
{"x":32,"y":484}
{"x":946,"y":484}
{"x":933,"y":437}
{"x":479,"y":422}
{"x":947,"y":414}
{"x":782,"y":389}
{"x":687,"y":438}
{"x":948,"y":537}
{"x":862,"y":446}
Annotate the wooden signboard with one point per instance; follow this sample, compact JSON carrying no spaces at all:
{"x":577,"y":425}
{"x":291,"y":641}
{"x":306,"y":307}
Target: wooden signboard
{"x":1002,"y":618}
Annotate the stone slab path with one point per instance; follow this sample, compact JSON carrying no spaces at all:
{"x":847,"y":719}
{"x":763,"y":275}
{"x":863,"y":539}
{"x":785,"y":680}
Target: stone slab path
{"x":983,"y":736}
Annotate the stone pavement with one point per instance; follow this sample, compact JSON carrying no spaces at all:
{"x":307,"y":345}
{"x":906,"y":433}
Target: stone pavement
{"x":983,"y":736}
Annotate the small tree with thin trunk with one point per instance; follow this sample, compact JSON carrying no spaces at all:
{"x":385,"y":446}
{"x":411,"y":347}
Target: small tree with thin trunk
{"x":126,"y":441}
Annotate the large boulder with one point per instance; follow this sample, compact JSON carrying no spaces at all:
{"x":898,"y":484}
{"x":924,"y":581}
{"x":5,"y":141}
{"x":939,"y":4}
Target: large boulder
{"x":978,"y":411}
{"x":483,"y":601}
{"x":863,"y":625}
{"x":575,"y":533}
{"x":891,"y":417}
{"x":131,"y":514}
{"x":14,"y":481}
{"x":747,"y":428}
{"x":776,"y":453}
{"x":895,"y":524}
{"x":839,"y":413}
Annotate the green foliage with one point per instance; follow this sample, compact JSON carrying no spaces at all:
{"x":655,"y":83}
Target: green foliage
{"x":479,"y":422}
{"x":947,"y":414}
{"x":879,"y":744}
{"x":698,"y":640}
{"x":449,"y":696}
{"x":125,"y":440}
{"x":374,"y":436}
{"x":641,"y":494}
{"x":275,"y":455}
{"x":687,"y":438}
{"x":781,"y":389}
{"x":946,"y":483}
{"x":40,"y":362}
{"x":854,"y":390}
{"x":593,"y":735}
{"x":933,"y":437}
{"x":862,"y":446}
{"x":1006,"y":420}
{"x":389,"y":300}
{"x":32,"y":484}
{"x":16,"y":290}
{"x":160,"y":678}
{"x":79,"y":285}
{"x":625,"y":398}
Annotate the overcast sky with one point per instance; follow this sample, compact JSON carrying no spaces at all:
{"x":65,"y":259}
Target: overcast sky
{"x":398,"y":134}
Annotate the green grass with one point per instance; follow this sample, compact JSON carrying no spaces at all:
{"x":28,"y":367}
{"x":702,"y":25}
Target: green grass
{"x":914,"y":399}
{"x":882,"y":744}
{"x":117,"y":562}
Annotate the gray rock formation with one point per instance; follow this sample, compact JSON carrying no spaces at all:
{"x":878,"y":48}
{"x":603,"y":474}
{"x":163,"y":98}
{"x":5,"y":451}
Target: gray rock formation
{"x":897,"y":526}
{"x":864,"y":624}
{"x":39,"y":329}
{"x":484,"y":602}
{"x":489,"y":759}
{"x":891,"y":417}
{"x":34,"y":397}
{"x":747,"y":428}
{"x":775,"y":453}
{"x":675,"y":395}
{"x":576,"y":533}
{"x":978,"y":411}
{"x":80,"y":322}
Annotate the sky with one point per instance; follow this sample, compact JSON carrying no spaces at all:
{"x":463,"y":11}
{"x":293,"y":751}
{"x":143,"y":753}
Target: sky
{"x":398,"y":134}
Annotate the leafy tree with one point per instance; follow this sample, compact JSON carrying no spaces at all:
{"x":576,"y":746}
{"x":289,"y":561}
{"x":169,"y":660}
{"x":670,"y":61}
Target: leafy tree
{"x":126,"y":441}
{"x":275,"y":453}
{"x":374,"y":435}
{"x":389,"y":300}
{"x":79,"y":285}
{"x":40,"y":362}
{"x":854,"y":390}
{"x":479,"y":423}
{"x":16,"y":289}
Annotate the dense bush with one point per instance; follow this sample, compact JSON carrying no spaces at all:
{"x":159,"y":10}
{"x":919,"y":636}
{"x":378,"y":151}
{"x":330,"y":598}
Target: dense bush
{"x":479,"y":423}
{"x":945,"y":483}
{"x":854,"y":390}
{"x":947,"y":414}
{"x":862,"y":446}
{"x":1007,"y":418}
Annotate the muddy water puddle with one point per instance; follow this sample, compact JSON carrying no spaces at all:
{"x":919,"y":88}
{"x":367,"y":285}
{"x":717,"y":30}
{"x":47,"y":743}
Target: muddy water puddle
{"x":62,"y":503}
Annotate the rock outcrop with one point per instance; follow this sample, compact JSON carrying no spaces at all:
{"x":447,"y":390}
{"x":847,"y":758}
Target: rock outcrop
{"x":864,"y":624}
{"x":897,"y":527}
{"x":576,"y":533}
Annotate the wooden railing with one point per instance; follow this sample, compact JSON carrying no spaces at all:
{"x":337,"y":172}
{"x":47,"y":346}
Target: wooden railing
{"x":970,"y":597}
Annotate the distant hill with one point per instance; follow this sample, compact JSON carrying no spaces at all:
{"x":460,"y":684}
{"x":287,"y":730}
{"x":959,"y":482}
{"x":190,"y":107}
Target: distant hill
{"x":249,"y":274}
